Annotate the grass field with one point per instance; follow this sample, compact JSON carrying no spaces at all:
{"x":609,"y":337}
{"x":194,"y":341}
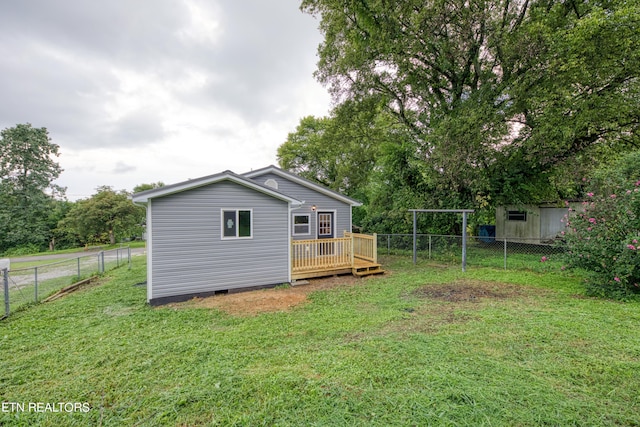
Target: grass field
{"x":424,"y":345}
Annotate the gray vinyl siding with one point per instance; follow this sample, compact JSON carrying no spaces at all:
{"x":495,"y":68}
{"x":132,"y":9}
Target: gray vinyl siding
{"x":312,"y":197}
{"x":189,"y":255}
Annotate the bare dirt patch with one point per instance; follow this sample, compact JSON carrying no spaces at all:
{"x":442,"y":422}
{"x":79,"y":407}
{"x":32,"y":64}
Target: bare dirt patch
{"x":456,"y":303}
{"x":470,"y":291}
{"x":282,"y":298}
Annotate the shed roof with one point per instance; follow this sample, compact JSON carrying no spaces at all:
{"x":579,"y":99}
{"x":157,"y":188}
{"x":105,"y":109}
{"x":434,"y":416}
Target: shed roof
{"x":145,"y":196}
{"x":304,"y":182}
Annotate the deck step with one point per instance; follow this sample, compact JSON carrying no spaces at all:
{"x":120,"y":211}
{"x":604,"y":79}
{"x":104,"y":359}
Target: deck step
{"x":366,"y":270}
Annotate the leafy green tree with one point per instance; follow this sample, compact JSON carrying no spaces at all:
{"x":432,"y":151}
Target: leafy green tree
{"x":105,"y":217}
{"x":27,"y":193}
{"x":341,"y":151}
{"x":337,"y":151}
{"x":144,"y":187}
{"x":59,"y":239}
{"x":499,"y":96}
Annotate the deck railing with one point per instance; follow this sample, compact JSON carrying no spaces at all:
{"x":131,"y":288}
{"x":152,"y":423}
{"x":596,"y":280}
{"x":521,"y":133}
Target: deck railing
{"x":364,"y":246}
{"x":321,"y":254}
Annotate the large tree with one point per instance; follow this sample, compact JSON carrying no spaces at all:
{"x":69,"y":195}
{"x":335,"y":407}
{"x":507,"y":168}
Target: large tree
{"x":105,"y":217}
{"x":499,"y":96}
{"x":27,"y":172}
{"x":338,"y":151}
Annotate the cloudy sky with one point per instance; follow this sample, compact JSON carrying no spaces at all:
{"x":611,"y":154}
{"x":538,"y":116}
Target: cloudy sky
{"x":139,"y":91}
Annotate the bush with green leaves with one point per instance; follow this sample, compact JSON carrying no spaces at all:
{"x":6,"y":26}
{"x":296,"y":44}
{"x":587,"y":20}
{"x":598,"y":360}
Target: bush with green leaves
{"x":603,"y":238}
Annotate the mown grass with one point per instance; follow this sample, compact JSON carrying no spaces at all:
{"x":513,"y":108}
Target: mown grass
{"x":375,"y":353}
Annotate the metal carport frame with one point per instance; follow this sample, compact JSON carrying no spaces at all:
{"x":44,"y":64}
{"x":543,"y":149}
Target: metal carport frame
{"x":464,"y":213}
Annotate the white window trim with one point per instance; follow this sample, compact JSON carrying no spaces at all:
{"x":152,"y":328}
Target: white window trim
{"x":236,"y":237}
{"x":293,"y":225}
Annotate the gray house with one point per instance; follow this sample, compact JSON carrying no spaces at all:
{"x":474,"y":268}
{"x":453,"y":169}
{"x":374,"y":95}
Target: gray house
{"x":227,"y":231}
{"x":324,"y":214}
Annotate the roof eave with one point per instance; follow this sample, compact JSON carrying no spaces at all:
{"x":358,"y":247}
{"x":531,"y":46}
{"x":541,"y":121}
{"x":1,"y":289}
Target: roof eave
{"x":145,"y":196}
{"x":305,"y":182}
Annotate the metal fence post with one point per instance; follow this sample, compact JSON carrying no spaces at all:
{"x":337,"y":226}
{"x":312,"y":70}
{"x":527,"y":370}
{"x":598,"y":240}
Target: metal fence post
{"x":464,"y":242}
{"x":5,"y":275}
{"x":78,"y":268}
{"x":117,"y":258}
{"x":129,"y":253}
{"x":415,"y":243}
{"x":505,"y":253}
{"x":102,"y":257}
{"x":35,"y":281}
{"x":429,"y":246}
{"x":388,"y":244}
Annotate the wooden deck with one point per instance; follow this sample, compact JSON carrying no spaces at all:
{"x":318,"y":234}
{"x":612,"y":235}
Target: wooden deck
{"x":354,"y":253}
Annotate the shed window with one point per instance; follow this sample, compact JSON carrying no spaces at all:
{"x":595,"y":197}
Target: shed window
{"x":237,"y":224}
{"x":516,"y":215}
{"x":301,"y":225}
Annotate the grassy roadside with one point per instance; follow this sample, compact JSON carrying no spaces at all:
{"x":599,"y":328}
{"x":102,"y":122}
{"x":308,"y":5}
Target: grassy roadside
{"x":75,"y":251}
{"x":522,"y":349}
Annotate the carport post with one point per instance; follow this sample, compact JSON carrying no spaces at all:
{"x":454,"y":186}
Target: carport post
{"x":464,"y":213}
{"x":464,"y":241}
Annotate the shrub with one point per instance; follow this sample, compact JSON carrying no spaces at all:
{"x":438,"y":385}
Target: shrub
{"x":604,"y":240}
{"x":28,"y":249}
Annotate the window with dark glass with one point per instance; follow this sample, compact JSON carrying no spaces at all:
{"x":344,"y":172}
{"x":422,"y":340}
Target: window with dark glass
{"x":516,"y":215}
{"x":236,"y":224}
{"x":301,"y":224}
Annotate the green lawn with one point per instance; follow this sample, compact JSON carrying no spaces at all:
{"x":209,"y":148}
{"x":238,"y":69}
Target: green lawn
{"x":424,"y":345}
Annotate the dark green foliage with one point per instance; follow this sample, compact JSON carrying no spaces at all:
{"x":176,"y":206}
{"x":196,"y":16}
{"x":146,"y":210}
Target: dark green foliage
{"x":106,"y":217}
{"x":486,"y":102}
{"x":603,"y":237}
{"x":27,"y":192}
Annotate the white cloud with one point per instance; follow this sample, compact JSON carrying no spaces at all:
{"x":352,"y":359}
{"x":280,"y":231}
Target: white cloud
{"x":152,"y":90}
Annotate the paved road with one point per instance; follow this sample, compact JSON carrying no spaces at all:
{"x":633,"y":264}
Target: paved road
{"x":134,"y":252}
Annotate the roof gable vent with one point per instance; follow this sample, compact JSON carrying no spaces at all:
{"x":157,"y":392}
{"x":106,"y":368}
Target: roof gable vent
{"x":271,"y":183}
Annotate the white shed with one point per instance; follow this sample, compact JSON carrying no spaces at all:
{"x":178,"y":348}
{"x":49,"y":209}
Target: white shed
{"x":534,"y":224}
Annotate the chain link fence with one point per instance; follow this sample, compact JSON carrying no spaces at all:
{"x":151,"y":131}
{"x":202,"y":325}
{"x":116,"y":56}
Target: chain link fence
{"x":482,"y":251}
{"x":4,"y":287}
{"x":22,"y":286}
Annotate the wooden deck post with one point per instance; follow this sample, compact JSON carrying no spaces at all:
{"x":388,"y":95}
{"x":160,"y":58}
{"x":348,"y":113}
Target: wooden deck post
{"x":375,"y":248}
{"x":352,"y":249}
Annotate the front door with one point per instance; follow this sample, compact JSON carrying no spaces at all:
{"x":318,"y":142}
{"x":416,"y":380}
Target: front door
{"x":325,"y":231}
{"x":325,"y":225}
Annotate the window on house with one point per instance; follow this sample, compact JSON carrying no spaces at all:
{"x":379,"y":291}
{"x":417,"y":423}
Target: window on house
{"x":516,"y":215}
{"x":301,"y":224}
{"x":236,"y":224}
